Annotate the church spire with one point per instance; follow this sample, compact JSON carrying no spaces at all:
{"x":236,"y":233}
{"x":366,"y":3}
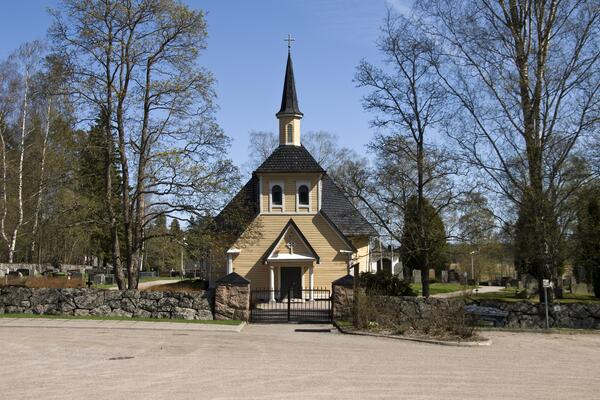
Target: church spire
{"x":289,"y":99}
{"x":289,"y":114}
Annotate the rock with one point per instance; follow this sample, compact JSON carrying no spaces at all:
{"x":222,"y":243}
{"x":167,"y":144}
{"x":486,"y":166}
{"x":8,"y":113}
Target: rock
{"x":142,"y":314}
{"x":80,"y":311}
{"x":148,"y":304}
{"x":119,"y":313}
{"x":131,"y":294}
{"x":183,"y":313}
{"x":208,"y":315}
{"x":161,"y":315}
{"x":89,"y":300}
{"x":15,"y":296}
{"x":167,"y":304}
{"x":129,"y":305}
{"x":151,"y":295}
{"x":101,"y":310}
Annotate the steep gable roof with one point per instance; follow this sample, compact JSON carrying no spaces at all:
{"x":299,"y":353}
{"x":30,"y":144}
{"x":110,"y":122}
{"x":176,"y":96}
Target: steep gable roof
{"x":290,"y":159}
{"x":341,"y":212}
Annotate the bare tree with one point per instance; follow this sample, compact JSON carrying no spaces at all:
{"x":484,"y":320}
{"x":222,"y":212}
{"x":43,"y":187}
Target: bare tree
{"x":525,"y":79}
{"x":136,"y":63}
{"x":408,"y":101}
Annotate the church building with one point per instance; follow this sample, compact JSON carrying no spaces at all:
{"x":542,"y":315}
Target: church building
{"x":308,"y":233}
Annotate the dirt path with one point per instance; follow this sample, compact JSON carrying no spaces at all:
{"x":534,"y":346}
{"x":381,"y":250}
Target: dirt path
{"x":275,"y":362}
{"x":481,"y":289}
{"x":145,"y":285}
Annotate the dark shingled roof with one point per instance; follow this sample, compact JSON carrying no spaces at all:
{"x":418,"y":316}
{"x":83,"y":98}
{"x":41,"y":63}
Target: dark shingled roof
{"x":289,"y":100}
{"x":342,"y":213}
{"x":290,"y":159}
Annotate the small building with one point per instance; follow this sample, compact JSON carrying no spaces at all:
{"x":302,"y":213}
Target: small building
{"x":304,"y":233}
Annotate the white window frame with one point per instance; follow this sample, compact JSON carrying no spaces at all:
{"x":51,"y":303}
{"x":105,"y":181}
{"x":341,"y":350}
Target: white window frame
{"x":276,"y":206}
{"x":303,"y":206}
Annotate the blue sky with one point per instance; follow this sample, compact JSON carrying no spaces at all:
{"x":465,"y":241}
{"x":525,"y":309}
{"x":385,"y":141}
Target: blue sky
{"x":247,"y":54}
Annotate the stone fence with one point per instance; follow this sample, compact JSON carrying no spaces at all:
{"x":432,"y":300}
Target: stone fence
{"x":522,"y":314}
{"x":120,"y":303}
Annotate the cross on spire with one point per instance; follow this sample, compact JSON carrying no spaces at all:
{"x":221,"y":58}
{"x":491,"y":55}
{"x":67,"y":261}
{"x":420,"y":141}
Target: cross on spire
{"x":289,"y":39}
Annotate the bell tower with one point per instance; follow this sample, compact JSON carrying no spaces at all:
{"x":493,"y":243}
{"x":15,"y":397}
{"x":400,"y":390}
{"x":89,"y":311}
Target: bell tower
{"x":289,"y":114}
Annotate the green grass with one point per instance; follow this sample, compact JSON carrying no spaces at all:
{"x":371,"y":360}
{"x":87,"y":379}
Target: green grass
{"x":437,"y":288}
{"x":509,"y":295}
{"x":107,"y":318}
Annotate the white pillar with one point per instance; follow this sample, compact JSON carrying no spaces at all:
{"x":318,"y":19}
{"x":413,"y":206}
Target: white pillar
{"x":229,"y":264}
{"x":272,"y":283}
{"x":311,"y":282}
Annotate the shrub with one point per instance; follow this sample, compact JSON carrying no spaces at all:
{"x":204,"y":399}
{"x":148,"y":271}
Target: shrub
{"x":596,"y":282}
{"x":385,"y":284}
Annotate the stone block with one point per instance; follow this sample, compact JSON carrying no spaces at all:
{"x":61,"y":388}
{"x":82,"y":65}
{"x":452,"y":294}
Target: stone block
{"x":183,"y":313}
{"x":101,"y":310}
{"x":120,"y":313}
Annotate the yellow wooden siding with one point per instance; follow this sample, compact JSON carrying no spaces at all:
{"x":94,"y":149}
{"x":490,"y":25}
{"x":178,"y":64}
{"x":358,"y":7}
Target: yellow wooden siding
{"x":299,"y":246}
{"x":325,"y":241}
{"x":362,"y":255}
{"x":289,"y":192}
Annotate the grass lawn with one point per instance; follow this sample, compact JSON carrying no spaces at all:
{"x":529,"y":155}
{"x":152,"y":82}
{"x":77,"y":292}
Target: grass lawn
{"x":437,"y":288}
{"x":509,"y":295}
{"x":101,"y":318}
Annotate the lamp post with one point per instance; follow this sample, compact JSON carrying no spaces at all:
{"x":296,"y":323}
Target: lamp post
{"x":473,"y":264}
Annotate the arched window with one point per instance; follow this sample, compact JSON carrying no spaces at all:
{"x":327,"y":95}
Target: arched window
{"x":276,"y":197}
{"x":290,"y":133}
{"x":303,"y":195}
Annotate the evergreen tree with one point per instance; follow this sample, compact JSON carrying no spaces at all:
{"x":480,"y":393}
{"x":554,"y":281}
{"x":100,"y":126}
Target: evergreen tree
{"x":430,"y":251}
{"x":587,"y":236}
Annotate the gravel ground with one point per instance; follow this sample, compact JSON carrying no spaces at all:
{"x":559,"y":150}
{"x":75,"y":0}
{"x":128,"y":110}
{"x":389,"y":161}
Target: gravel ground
{"x":276,"y":362}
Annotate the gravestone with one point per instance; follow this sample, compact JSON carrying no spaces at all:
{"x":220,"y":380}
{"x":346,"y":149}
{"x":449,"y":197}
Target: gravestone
{"x":444,"y":276}
{"x":416,"y":274}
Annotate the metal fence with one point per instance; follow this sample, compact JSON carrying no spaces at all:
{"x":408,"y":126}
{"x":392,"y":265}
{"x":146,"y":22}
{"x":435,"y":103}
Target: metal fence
{"x":292,"y":305}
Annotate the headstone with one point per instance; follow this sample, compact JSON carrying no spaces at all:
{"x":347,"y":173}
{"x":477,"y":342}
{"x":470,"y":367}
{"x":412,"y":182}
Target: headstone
{"x":444,"y":276}
{"x":416,"y":274}
{"x":432,"y":273}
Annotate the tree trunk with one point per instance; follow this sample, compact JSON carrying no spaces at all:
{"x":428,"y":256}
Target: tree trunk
{"x":40,"y":191}
{"x":15,"y":232}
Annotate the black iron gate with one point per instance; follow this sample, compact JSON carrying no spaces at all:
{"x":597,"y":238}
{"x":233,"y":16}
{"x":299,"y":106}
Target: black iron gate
{"x":292,"y":305}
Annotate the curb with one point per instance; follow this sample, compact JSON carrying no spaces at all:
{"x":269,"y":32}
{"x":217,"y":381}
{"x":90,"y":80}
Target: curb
{"x":487,"y":342}
{"x":57,"y":323}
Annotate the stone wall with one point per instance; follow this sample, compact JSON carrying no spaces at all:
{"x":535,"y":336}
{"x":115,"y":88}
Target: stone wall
{"x":124,"y":303}
{"x":524,"y":314}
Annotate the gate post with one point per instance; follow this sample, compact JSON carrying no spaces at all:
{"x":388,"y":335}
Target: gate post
{"x":342,"y":298}
{"x":232,"y":297}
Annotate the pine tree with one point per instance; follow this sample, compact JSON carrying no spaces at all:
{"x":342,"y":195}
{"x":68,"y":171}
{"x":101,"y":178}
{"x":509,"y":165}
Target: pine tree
{"x":587,"y":236}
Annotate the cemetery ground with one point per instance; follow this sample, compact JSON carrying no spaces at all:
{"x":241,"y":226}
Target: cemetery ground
{"x":277,"y":361}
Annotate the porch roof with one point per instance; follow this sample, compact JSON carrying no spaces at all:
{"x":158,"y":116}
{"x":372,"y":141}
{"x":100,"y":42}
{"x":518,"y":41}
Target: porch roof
{"x":270,"y":256}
